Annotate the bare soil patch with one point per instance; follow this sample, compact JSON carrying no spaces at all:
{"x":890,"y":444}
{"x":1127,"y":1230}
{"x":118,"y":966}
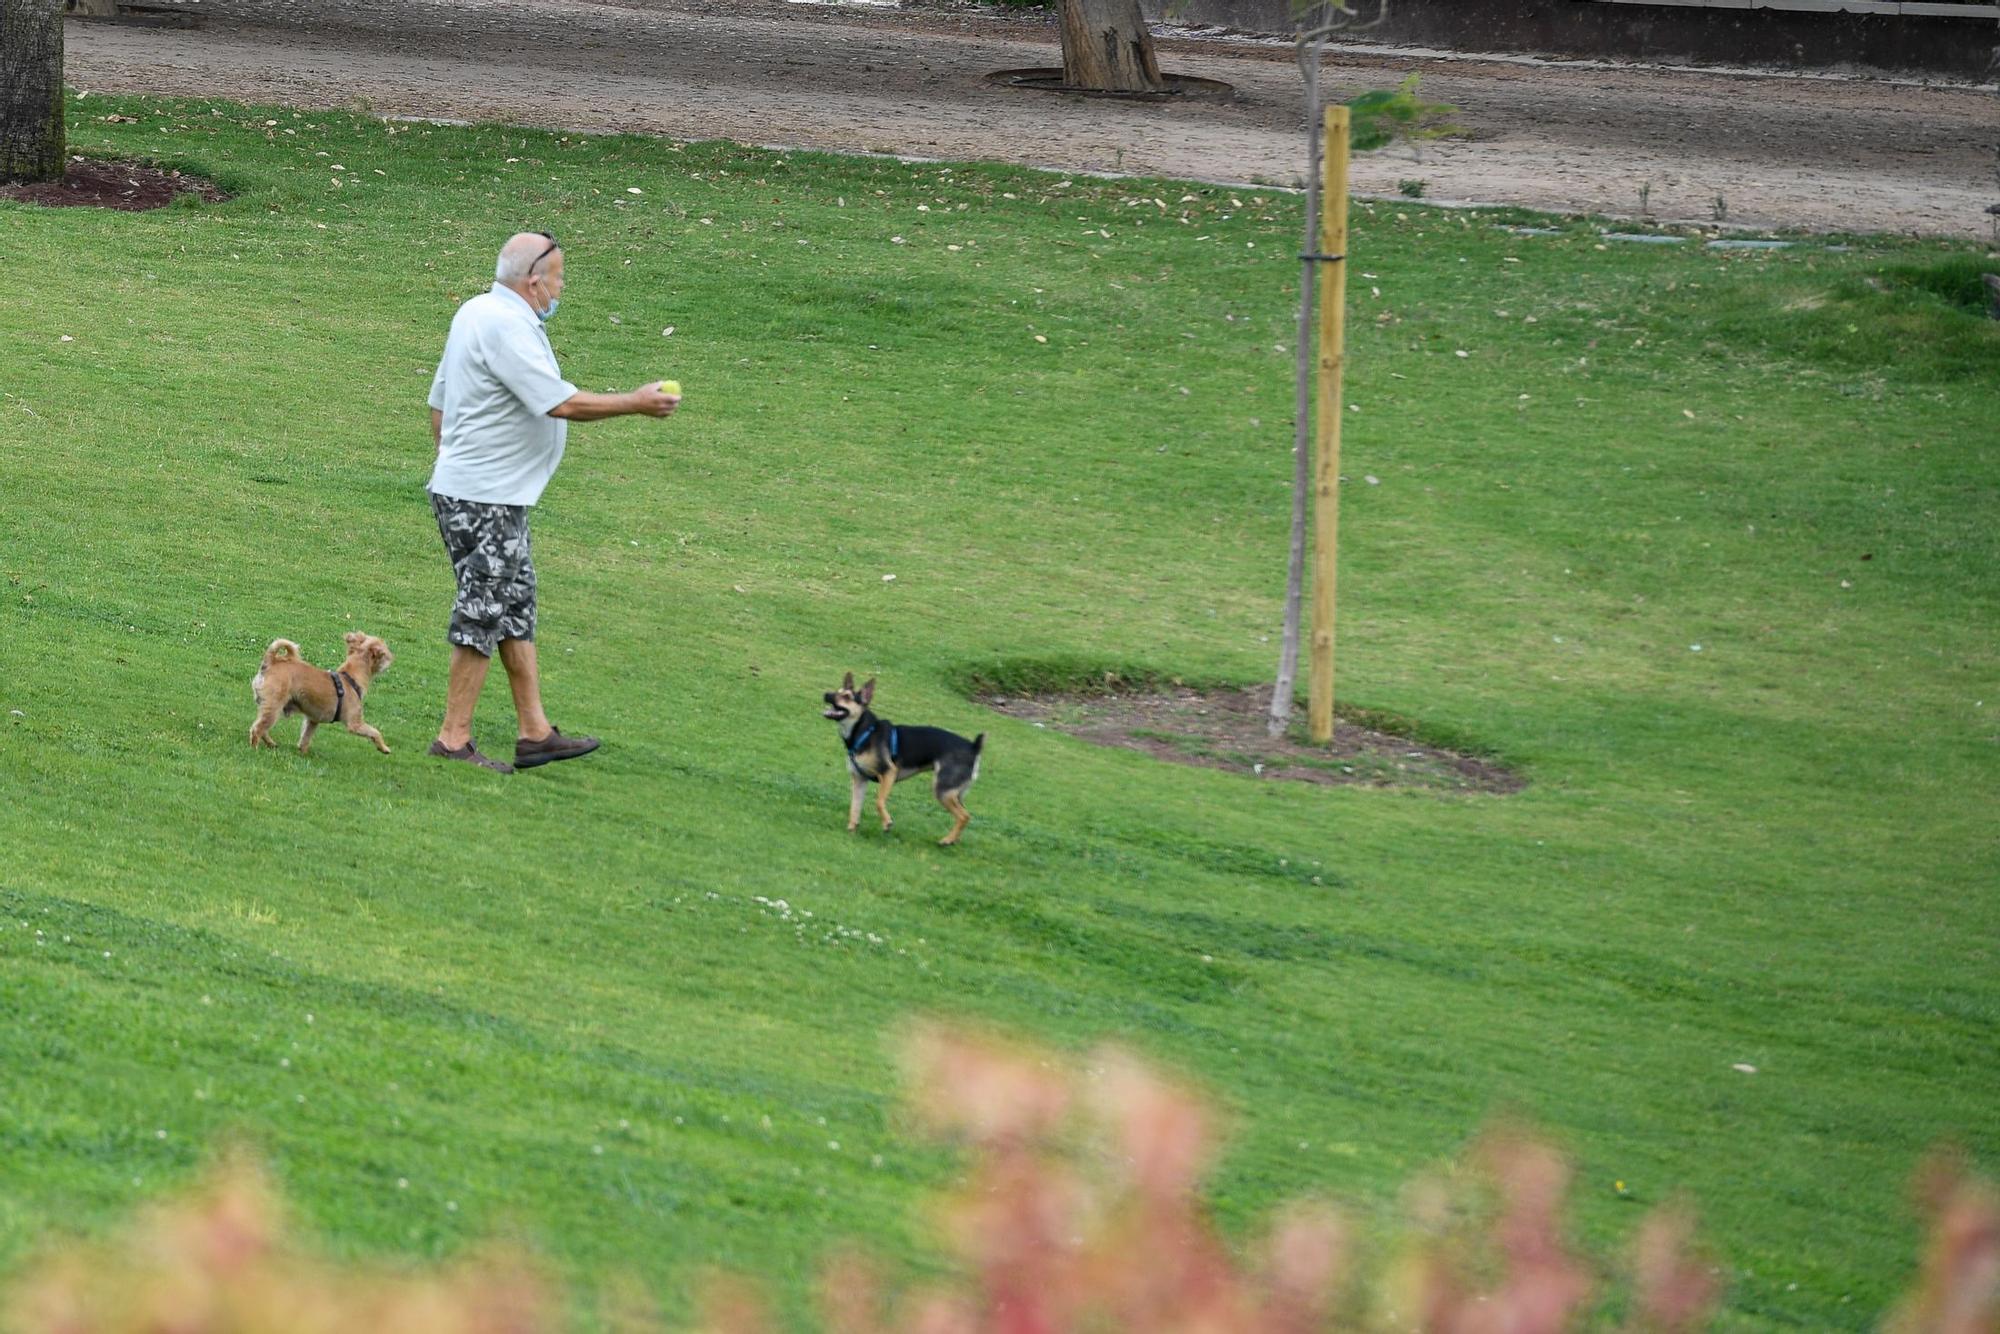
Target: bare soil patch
{"x":130,"y":187}
{"x":1224,"y":729}
{"x":1049,"y":79}
{"x":1674,"y":145}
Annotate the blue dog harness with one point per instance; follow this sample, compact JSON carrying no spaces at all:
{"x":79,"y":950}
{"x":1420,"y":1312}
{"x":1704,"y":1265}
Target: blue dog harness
{"x":861,"y":739}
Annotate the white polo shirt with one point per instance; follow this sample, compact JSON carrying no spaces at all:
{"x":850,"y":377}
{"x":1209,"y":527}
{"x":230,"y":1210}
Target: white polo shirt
{"x":495,"y":386}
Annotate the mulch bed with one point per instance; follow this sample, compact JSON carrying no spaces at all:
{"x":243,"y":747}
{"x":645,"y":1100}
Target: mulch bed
{"x":128,"y":186}
{"x":1224,"y":729}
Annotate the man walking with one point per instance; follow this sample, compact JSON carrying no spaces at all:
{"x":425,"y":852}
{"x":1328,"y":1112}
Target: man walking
{"x":500,"y":414}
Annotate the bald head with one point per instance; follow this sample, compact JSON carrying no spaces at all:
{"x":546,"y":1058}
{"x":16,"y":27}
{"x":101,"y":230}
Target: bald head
{"x":520,"y":254}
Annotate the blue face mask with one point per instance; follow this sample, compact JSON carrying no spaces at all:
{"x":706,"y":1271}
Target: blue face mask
{"x":543,"y":315}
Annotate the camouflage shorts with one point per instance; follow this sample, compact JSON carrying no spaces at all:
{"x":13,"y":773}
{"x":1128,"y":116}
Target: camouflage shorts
{"x":488,"y":545}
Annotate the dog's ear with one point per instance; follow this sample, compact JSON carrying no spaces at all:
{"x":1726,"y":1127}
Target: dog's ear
{"x":867,"y":694}
{"x":355,"y":639}
{"x":379,"y":654}
{"x":847,"y":683}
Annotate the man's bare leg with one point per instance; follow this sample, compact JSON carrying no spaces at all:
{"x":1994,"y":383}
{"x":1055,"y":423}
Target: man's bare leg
{"x":468,"y":675}
{"x":524,"y":677}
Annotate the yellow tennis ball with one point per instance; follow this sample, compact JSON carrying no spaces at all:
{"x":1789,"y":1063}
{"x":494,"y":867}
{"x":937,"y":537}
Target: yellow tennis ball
{"x":672,"y":387}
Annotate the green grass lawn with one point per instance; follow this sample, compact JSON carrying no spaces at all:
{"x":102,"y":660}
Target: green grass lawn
{"x":1703,"y":543}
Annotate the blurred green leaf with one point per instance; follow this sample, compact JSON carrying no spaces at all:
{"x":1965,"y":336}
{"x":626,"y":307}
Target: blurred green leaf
{"x":1381,"y":116}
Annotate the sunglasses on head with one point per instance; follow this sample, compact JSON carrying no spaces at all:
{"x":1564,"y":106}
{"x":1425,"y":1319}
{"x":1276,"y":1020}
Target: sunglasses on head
{"x":550,"y":250}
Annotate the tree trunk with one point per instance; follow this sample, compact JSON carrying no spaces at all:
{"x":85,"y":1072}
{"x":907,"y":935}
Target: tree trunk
{"x":1105,"y":47}
{"x":31,"y":101}
{"x":1295,"y":565}
{"x":1314,"y":25}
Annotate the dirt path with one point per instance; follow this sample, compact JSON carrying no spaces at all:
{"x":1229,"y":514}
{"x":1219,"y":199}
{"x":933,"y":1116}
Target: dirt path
{"x":1816,"y":153}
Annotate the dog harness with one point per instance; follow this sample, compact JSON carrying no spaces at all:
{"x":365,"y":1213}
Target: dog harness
{"x":854,"y":746}
{"x":340,"y":693}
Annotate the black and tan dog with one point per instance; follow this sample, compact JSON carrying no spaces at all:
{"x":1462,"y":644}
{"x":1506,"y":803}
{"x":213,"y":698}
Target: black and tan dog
{"x":879,"y":751}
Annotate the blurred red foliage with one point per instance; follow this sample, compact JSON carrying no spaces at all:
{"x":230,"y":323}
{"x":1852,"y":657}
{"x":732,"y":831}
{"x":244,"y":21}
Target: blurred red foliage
{"x":1081,"y":1214}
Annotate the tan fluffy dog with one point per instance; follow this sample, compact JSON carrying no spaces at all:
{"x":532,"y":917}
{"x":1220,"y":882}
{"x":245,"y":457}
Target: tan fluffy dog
{"x":286,"y":683}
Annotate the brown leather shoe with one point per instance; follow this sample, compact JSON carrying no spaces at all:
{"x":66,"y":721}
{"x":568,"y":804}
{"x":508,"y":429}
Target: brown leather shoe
{"x":470,"y":754}
{"x":555,"y":746}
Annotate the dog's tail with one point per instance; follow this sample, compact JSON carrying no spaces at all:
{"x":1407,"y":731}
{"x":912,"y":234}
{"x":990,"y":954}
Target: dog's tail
{"x":280,"y":651}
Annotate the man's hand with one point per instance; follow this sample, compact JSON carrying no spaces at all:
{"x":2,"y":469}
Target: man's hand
{"x":649,"y":400}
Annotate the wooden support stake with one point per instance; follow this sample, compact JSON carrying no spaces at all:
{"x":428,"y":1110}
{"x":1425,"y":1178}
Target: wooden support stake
{"x":1326,"y":452}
